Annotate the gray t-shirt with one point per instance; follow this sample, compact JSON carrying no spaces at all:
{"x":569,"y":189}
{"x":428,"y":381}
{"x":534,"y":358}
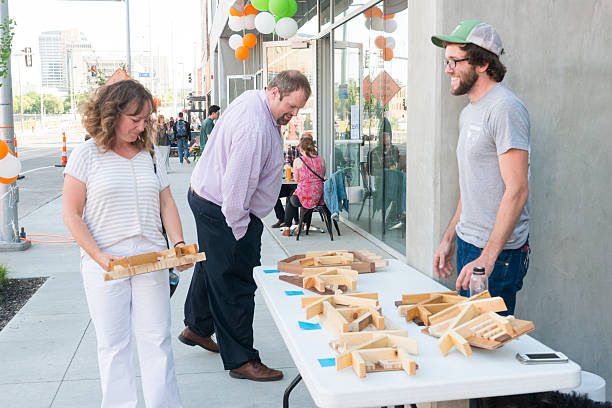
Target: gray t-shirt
{"x":496,"y":123}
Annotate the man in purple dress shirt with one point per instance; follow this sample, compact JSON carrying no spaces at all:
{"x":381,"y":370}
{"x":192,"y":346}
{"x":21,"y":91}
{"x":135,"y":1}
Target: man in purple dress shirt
{"x":234,"y":184}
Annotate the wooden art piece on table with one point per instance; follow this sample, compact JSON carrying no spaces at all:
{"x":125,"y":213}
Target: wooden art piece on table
{"x":332,"y":278}
{"x":377,"y":351}
{"x":420,"y":306}
{"x":154,"y":261}
{"x":346,"y":312}
{"x":363,"y":261}
{"x":487,"y":330}
{"x":324,"y":281}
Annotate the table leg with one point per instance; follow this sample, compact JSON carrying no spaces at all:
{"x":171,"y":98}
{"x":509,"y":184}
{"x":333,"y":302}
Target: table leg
{"x":290,"y":388}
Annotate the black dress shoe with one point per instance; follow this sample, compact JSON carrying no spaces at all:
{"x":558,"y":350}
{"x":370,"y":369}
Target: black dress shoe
{"x":278,"y":224}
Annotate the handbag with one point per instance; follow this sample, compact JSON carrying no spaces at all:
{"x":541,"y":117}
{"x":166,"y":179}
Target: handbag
{"x":174,"y":277}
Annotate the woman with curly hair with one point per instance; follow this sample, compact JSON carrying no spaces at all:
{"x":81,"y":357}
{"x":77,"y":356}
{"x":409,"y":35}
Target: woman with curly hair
{"x":115,"y":189}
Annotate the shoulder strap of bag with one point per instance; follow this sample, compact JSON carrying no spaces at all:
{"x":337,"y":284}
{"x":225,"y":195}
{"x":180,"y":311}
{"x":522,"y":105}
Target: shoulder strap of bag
{"x":308,"y":167}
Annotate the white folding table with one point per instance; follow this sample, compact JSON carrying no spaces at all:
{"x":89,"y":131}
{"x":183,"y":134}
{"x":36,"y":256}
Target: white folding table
{"x":454,"y":377}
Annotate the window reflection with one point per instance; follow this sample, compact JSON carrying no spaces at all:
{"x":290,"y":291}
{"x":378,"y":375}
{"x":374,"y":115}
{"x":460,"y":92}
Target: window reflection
{"x":370,"y":68}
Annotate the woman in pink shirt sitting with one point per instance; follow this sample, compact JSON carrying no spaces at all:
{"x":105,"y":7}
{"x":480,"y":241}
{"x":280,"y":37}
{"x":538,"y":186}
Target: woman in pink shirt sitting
{"x":309,"y":169}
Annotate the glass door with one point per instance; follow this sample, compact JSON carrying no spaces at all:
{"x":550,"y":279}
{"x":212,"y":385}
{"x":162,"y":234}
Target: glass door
{"x":237,"y":84}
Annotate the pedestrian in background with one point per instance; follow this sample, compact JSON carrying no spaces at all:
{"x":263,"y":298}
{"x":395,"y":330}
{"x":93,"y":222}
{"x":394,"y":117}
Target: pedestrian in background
{"x":182,"y":133}
{"x":233,"y":186}
{"x":163,"y":139}
{"x":116,"y":198}
{"x":491,"y":222}
{"x":209,"y":124}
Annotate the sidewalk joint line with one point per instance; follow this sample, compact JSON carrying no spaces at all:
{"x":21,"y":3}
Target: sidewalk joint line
{"x":70,"y":363}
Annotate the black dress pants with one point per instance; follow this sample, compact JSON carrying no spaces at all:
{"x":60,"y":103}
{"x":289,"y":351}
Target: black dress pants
{"x":286,"y":191}
{"x":221,"y":297}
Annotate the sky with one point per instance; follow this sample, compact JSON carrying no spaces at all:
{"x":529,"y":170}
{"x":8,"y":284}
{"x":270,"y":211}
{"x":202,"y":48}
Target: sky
{"x":170,"y":26}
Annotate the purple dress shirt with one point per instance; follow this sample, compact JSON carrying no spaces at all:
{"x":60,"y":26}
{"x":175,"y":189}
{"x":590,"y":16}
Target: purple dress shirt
{"x":240,"y":167}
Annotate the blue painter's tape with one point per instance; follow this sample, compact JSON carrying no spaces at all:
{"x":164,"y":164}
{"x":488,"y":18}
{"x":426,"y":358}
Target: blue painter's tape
{"x":327,"y":362}
{"x":270,"y":271}
{"x":309,"y":326}
{"x":294,"y":292}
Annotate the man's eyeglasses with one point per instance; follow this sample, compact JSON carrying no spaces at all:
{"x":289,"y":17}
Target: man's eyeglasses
{"x":452,"y":63}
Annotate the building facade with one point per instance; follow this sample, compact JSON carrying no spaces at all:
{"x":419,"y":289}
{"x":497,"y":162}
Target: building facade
{"x":381,"y":112}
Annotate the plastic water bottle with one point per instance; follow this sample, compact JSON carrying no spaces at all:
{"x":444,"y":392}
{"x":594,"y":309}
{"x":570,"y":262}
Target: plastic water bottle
{"x":174,"y":281}
{"x":478,"y":281}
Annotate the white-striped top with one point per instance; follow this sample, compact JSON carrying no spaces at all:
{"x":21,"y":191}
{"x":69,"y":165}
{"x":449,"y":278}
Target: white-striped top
{"x":122,"y":195}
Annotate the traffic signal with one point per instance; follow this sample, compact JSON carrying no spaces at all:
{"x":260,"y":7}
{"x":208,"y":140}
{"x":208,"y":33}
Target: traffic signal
{"x":189,"y":77}
{"x":28,"y":56}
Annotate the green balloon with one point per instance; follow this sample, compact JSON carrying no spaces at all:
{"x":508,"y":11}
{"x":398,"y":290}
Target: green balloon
{"x":291,"y":9}
{"x":276,"y":18}
{"x":278,"y":7}
{"x":261,"y":5}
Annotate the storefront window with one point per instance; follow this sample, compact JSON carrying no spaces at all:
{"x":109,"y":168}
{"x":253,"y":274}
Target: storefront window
{"x":324,"y":13}
{"x":370,"y":120}
{"x":307,"y":18}
{"x":345,"y":7}
{"x":282,"y":57}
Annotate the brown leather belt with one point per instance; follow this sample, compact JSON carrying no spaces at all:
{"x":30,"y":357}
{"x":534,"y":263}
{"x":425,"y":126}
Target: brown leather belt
{"x":199,"y":196}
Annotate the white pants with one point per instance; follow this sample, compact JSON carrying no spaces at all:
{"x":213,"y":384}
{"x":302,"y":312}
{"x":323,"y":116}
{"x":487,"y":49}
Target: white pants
{"x":141,"y":302}
{"x":165,"y":152}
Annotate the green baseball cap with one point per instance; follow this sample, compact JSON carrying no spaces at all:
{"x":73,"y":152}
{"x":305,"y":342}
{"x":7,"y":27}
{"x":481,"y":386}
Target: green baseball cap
{"x":474,"y":32}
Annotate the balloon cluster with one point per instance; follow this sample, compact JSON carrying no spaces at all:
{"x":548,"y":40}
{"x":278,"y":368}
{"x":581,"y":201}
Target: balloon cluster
{"x":239,"y":21}
{"x":377,"y":22}
{"x":276,"y":15}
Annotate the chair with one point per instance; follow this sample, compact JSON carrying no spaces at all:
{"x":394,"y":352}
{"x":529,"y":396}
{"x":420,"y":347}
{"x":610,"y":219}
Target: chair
{"x":325,"y":214}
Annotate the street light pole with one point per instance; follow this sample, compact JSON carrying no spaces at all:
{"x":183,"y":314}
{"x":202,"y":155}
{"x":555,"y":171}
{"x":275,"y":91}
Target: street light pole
{"x":129,"y":50}
{"x":9,"y":193}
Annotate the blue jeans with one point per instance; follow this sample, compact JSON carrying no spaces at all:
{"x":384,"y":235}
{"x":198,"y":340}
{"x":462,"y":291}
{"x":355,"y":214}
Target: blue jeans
{"x":183,"y":146}
{"x":507,"y":277}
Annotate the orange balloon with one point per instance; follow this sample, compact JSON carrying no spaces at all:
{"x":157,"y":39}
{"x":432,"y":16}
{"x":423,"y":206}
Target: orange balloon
{"x":234,"y":12}
{"x":242,"y":53}
{"x":4,"y":149}
{"x":390,"y":16}
{"x":249,"y":40}
{"x":249,"y":9}
{"x":376,"y":12}
{"x":368,"y":13}
{"x":387,"y":54}
{"x":380,"y":42}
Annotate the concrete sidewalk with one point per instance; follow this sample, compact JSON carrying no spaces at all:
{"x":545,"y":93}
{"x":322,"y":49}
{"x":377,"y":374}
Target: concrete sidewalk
{"x":48,"y":351}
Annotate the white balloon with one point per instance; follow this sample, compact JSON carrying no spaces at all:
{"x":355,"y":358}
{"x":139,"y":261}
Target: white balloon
{"x":10,"y":166}
{"x":368,"y":23}
{"x":390,"y":25}
{"x":264,"y":22}
{"x":390,"y":42}
{"x":378,"y":24}
{"x":235,"y":41}
{"x":286,"y":27}
{"x":235,"y":23}
{"x":249,"y":21}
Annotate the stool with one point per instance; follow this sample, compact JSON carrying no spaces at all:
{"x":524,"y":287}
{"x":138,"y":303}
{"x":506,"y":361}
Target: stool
{"x":592,"y":385}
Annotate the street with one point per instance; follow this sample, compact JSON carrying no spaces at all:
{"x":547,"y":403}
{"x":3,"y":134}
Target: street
{"x":39,"y":152}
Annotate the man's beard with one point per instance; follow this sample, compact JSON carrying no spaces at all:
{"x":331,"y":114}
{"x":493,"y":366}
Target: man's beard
{"x":466,"y":82}
{"x":282,"y":120}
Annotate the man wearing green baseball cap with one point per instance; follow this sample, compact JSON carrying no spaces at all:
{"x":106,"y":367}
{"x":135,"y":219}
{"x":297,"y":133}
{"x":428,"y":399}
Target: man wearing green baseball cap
{"x":490,"y":227}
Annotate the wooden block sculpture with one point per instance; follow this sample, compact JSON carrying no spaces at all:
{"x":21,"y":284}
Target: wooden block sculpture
{"x":347,"y":312}
{"x":487,"y":330}
{"x":154,"y":261}
{"x":377,"y":351}
{"x":423,"y":305}
{"x":330,"y":278}
{"x":363,"y":261}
